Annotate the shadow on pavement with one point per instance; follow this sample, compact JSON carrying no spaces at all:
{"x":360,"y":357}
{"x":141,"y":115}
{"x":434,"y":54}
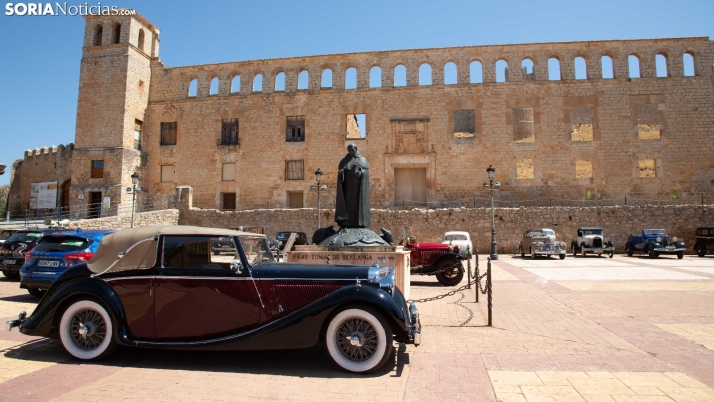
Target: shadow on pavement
{"x":26,"y":298}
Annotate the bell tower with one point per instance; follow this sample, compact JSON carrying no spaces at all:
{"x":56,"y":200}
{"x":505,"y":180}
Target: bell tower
{"x":114,"y":79}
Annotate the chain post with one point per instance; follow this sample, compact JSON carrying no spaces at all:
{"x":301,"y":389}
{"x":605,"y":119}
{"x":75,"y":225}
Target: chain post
{"x":477,"y":277}
{"x":488,"y":289}
{"x":468,"y":272}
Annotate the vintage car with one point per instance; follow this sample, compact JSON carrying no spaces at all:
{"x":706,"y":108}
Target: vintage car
{"x":442,"y":260}
{"x":462,"y":240}
{"x":704,"y":241}
{"x":541,"y":242}
{"x":282,"y":237}
{"x":592,"y":240}
{"x":162,"y":287}
{"x":654,"y":242}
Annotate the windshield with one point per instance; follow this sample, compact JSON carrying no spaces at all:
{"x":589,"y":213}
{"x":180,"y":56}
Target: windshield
{"x":24,"y":237}
{"x":62,"y":243}
{"x":544,"y":232}
{"x":455,"y":237}
{"x":654,"y":232}
{"x":256,"y":249}
{"x":590,"y":232}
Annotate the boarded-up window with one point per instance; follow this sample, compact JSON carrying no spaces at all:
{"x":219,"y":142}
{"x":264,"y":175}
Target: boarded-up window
{"x":167,"y":173}
{"x":295,"y":199}
{"x":229,"y":201}
{"x":295,"y":129}
{"x":137,"y":133}
{"x":229,"y":172}
{"x":294,"y":169}
{"x":647,"y":168}
{"x":583,"y":169}
{"x":648,"y":123}
{"x":581,"y":123}
{"x":168,"y":133}
{"x":523,"y":125}
{"x":97,"y":169}
{"x":524,"y":169}
{"x":229,"y":132}
{"x":464,"y":123}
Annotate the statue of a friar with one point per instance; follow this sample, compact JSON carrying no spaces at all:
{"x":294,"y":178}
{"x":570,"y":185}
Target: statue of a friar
{"x":352,"y":204}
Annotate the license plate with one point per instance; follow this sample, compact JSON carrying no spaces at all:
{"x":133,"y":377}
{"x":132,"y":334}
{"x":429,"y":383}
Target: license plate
{"x":8,"y":262}
{"x":48,"y":263}
{"x":670,"y":248}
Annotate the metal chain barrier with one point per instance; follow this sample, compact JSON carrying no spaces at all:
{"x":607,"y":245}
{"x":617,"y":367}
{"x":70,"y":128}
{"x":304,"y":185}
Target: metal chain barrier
{"x":451,"y":293}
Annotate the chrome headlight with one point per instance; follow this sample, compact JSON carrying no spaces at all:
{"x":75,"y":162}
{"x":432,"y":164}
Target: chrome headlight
{"x":562,"y":244}
{"x":674,"y":238}
{"x":659,"y":240}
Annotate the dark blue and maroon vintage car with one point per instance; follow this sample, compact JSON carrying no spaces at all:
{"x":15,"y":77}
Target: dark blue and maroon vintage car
{"x":163,"y":287}
{"x":654,"y":242}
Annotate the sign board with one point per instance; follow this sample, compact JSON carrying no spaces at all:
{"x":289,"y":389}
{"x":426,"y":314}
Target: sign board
{"x":81,"y":197}
{"x":106,"y":202}
{"x":43,"y":195}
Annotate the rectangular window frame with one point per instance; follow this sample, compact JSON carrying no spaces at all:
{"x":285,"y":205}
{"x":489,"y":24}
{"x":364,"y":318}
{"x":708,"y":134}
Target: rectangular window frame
{"x":295,"y":129}
{"x":463,"y":131}
{"x":229,"y":132}
{"x":168,"y":133}
{"x":294,"y":199}
{"x":228,"y":172}
{"x":295,"y":169}
{"x":97,"y":169}
{"x":229,"y":201}
{"x":164,"y":176}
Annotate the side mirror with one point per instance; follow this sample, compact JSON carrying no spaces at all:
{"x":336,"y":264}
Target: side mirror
{"x":237,"y":266}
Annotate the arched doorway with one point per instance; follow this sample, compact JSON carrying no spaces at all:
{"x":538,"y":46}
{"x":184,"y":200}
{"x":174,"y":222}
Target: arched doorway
{"x":65,"y":197}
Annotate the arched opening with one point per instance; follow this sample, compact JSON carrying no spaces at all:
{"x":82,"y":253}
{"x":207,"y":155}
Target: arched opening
{"x":235,"y":84}
{"x":450,"y":73}
{"x":501,"y":71}
{"x":688,"y":61}
{"x":326,"y":78}
{"x":140,"y":42}
{"x":581,"y":69}
{"x":400,"y":76}
{"x":64,"y":209}
{"x":351,"y":78}
{"x":606,"y":66}
{"x":554,"y":69}
{"x":476,"y":72}
{"x":213,"y":90}
{"x":661,"y":65}
{"x":117,"y":34}
{"x":633,"y":63}
{"x":192,"y":87}
{"x":280,"y":82}
{"x":527,"y":66}
{"x":98,"y":32}
{"x":258,"y":83}
{"x":375,"y":77}
{"x":425,"y":74}
{"x":303,"y":79}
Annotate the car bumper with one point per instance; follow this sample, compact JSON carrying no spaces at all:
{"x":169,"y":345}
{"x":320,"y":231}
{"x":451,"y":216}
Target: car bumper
{"x":15,"y":267}
{"x":599,"y":249}
{"x":415,"y":325}
{"x":35,"y":284}
{"x":549,"y":252}
{"x":669,"y":249}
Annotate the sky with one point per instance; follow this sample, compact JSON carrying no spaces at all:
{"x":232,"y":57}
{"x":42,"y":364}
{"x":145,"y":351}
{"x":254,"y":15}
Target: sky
{"x":39,"y":62}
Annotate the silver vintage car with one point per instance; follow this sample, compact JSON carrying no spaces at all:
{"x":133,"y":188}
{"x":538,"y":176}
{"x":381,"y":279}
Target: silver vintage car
{"x":543,"y":242}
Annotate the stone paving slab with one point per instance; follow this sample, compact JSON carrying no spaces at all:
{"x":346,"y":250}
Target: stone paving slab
{"x":701,"y":334}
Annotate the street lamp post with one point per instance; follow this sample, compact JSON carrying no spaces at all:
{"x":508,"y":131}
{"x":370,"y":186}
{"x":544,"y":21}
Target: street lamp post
{"x":134,"y":182}
{"x":491,"y":188}
{"x":319,"y":189}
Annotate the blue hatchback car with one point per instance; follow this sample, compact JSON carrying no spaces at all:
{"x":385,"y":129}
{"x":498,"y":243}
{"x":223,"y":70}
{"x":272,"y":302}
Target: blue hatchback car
{"x":55,"y":253}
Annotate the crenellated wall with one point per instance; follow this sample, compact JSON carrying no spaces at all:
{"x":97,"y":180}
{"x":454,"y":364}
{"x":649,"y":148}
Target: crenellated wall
{"x":38,"y":166}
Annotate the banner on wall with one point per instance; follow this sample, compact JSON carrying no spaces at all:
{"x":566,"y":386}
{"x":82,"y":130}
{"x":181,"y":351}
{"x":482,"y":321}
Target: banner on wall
{"x":43,"y":195}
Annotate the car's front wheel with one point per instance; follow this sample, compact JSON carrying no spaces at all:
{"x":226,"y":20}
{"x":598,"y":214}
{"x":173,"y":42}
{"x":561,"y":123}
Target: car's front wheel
{"x":520,"y":250}
{"x":449,"y":273}
{"x":86,"y":330}
{"x":359,"y":339}
{"x":680,"y":254}
{"x":701,"y":252}
{"x":562,"y":256}
{"x":11,"y":274}
{"x":652,"y":253}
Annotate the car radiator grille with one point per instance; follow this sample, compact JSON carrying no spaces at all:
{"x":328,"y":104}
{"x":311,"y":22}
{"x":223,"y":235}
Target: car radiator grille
{"x":665,"y":241}
{"x":597,"y":242}
{"x":292,"y":297}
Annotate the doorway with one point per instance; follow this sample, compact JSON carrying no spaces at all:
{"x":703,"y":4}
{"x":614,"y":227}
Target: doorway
{"x":410,"y":186}
{"x":95,"y":204}
{"x":64,"y":205}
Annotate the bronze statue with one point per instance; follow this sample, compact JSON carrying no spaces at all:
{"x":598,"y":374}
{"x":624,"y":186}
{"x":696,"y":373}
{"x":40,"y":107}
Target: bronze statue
{"x":352,"y":204}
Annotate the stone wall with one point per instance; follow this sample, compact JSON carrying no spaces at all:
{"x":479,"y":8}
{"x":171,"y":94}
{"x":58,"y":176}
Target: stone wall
{"x":39,"y":166}
{"x":154,"y":218}
{"x":430,"y":225}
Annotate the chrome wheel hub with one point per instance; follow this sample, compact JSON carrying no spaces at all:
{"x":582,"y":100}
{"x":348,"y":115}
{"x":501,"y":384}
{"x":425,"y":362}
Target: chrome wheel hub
{"x":356,"y":339}
{"x":87,"y":329}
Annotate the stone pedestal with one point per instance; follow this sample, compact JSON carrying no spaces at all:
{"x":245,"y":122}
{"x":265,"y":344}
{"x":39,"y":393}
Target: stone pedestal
{"x":395,"y":256}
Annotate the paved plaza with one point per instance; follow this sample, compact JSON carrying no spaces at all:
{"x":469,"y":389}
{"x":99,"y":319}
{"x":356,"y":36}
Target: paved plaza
{"x":582,"y":329}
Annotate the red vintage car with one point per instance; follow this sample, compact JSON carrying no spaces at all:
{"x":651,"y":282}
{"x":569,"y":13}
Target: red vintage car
{"x":442,"y":260}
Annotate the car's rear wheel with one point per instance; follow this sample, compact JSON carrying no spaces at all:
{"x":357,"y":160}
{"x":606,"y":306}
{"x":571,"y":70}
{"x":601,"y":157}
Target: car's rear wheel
{"x":520,"y":250}
{"x":36,"y":292}
{"x":86,"y":330}
{"x":680,"y":254}
{"x":359,"y":339}
{"x":700,"y":252}
{"x":449,"y":273}
{"x":628,"y":250}
{"x":11,"y":274}
{"x":575,"y":250}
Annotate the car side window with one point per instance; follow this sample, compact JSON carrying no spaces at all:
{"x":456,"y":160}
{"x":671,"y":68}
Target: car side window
{"x":198,"y":252}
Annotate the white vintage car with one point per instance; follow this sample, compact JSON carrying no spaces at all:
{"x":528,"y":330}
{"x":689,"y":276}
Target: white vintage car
{"x":592,"y":241}
{"x":460,"y":239}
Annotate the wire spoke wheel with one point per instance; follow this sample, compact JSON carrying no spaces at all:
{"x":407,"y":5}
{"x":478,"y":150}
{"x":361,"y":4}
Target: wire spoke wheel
{"x":356,"y":339}
{"x":87,"y":328}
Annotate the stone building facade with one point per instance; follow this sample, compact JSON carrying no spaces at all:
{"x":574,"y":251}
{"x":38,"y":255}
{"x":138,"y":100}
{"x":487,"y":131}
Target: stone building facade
{"x":568,"y":119}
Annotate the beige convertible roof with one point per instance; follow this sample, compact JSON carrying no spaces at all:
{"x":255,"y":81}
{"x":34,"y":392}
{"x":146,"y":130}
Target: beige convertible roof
{"x":139,"y":246}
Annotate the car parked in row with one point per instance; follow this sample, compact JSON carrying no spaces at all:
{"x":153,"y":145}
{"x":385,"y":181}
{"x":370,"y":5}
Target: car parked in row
{"x":541,"y":242}
{"x":654,"y":242}
{"x":12,"y":251}
{"x":462,"y":240}
{"x":704,"y":241}
{"x":591,"y":240}
{"x":6,"y":233}
{"x":283,"y":237}
{"x":54,"y":253}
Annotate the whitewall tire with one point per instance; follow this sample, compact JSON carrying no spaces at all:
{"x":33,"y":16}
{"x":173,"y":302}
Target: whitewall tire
{"x":359,"y":340}
{"x":86,"y":330}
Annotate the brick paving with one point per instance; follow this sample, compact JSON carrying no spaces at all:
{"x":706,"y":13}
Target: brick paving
{"x":559,"y":334}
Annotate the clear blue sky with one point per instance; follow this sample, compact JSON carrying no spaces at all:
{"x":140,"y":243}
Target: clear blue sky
{"x":39,"y":66}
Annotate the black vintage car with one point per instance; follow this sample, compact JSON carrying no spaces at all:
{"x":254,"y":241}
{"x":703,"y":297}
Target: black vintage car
{"x":163,"y":287}
{"x":654,"y":242}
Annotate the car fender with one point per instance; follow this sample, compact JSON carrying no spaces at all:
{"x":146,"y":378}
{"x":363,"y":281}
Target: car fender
{"x":574,"y":245}
{"x":680,"y":244}
{"x":45,"y":318}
